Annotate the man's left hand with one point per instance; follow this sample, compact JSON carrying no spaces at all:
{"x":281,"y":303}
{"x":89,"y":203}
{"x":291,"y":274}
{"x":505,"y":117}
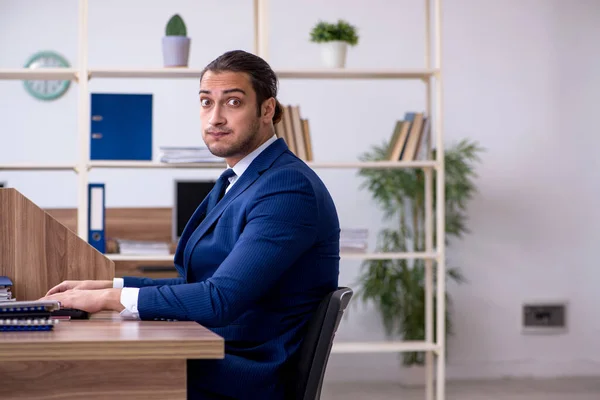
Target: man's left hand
{"x":92,"y":301}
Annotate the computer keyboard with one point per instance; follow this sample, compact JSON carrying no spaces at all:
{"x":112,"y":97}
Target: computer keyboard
{"x":73,"y":313}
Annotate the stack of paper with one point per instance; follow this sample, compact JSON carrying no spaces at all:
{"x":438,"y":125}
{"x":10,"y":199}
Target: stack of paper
{"x":133,"y":247}
{"x":173,"y":154}
{"x":354,"y":240}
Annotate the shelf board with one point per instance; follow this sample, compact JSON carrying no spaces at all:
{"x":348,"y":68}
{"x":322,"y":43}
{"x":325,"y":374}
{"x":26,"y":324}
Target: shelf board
{"x":387,"y":256}
{"x":373,"y":164}
{"x":219,"y":165}
{"x":140,"y":257}
{"x":315,"y":165}
{"x":341,"y":73}
{"x":161,"y":73}
{"x":152,"y":164}
{"x":346,"y":73}
{"x":39,"y":74}
{"x":383,"y":347}
{"x":344,"y":255}
{"x":36,"y":167}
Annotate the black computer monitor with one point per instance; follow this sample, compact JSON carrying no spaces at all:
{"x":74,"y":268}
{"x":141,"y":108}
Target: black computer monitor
{"x":188,"y":196}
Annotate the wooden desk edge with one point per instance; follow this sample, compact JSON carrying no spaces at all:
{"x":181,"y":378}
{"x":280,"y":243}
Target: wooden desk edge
{"x":24,"y":346}
{"x":146,"y":350}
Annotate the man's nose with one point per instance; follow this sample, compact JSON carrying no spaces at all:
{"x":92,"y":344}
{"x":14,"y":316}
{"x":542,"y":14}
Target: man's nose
{"x":217,"y":118}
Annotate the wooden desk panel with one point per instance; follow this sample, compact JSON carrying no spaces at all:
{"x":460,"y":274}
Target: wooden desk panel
{"x":104,"y":357}
{"x":37,"y":252}
{"x":93,"y":380}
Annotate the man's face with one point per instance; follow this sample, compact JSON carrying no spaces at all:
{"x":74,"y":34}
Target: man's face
{"x":228,"y":113}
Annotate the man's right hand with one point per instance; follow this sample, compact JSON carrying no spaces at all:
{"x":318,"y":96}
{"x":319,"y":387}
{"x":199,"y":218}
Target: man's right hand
{"x":80,"y":285}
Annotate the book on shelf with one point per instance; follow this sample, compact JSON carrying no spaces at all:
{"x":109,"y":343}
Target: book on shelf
{"x":295,"y":130}
{"x":121,"y":126}
{"x":409,"y":137}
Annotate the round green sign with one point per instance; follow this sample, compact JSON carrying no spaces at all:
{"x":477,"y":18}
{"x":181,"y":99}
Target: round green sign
{"x":47,"y":89}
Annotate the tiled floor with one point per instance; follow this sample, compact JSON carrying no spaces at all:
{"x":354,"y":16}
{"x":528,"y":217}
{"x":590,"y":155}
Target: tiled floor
{"x":552,"y":389}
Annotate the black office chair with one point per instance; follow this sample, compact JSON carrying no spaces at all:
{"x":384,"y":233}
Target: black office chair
{"x":316,"y":347}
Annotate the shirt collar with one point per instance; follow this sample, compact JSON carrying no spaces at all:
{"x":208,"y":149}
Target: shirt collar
{"x":245,"y":162}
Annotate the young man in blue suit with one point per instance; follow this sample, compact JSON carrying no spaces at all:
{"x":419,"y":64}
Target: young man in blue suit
{"x":257,"y":256}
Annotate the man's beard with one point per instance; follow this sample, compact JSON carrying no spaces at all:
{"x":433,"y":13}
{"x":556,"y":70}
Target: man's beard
{"x":244,"y":146}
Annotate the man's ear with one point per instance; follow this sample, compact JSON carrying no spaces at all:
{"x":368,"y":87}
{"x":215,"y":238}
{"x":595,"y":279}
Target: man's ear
{"x":268,"y":109}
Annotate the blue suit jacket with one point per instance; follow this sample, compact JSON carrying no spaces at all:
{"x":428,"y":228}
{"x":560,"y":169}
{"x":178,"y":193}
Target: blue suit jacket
{"x":253,"y":270}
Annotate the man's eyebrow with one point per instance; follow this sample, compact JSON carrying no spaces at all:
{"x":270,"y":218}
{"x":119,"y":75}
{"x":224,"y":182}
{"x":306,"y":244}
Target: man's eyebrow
{"x":234,"y":90}
{"x":226,"y":91}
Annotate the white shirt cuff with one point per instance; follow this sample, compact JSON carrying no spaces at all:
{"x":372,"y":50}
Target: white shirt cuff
{"x":118,"y":283}
{"x":129,"y":300}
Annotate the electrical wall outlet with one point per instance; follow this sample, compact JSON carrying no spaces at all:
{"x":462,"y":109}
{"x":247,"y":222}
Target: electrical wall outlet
{"x":545,"y":317}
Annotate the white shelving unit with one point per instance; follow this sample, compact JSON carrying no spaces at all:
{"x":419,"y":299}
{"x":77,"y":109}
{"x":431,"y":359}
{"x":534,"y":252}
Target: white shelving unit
{"x":430,"y":75}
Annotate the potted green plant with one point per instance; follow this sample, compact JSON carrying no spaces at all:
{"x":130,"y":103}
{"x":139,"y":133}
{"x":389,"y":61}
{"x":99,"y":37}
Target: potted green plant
{"x":397,"y":287}
{"x":334,"y":39}
{"x":175,"y":43}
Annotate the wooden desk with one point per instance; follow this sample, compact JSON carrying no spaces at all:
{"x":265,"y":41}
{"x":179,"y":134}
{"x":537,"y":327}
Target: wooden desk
{"x":103,"y":358}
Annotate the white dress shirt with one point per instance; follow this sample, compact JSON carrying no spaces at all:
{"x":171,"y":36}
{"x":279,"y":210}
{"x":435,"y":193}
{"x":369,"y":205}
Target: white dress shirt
{"x":129,"y":295}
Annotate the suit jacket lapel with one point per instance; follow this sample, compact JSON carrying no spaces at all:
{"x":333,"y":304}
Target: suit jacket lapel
{"x":256,"y":168}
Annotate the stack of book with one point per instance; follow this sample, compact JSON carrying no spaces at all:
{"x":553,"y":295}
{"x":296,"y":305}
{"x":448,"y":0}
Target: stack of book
{"x":6,"y":289}
{"x":409,"y":139}
{"x":19,"y":316}
{"x":296,"y":132}
{"x":132,"y":247}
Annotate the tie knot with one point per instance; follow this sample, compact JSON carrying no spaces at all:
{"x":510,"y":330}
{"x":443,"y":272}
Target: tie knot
{"x":228,"y":173}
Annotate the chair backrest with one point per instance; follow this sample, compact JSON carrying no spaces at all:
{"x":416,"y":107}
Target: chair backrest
{"x":316,"y":347}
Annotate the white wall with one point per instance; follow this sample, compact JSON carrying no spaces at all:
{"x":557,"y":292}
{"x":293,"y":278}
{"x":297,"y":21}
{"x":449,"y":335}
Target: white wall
{"x":520,"y":76}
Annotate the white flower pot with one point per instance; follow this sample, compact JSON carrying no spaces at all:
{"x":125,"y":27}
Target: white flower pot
{"x":333,"y":54}
{"x":176,"y":51}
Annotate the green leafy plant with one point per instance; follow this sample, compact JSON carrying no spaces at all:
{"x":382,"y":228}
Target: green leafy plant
{"x":176,"y":26}
{"x":328,"y":32}
{"x":397,"y":287}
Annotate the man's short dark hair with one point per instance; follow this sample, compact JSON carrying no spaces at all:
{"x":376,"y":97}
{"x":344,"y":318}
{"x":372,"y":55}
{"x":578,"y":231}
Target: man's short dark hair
{"x":263,"y":78}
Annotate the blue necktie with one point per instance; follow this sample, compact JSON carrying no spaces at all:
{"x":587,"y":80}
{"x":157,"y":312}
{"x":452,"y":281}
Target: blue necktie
{"x":219,"y":189}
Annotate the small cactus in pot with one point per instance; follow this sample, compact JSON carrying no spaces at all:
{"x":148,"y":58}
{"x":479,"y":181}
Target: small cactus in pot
{"x":175,"y":43}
